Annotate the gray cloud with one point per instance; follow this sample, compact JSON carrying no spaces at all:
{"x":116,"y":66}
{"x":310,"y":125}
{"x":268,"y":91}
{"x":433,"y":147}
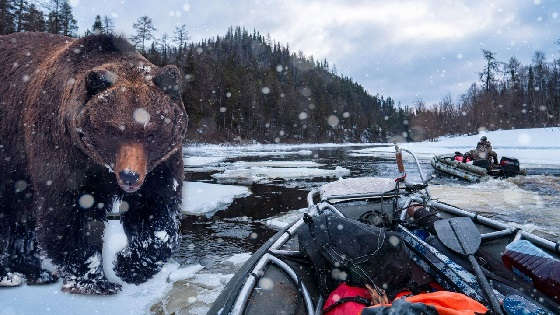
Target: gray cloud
{"x":403,"y":49}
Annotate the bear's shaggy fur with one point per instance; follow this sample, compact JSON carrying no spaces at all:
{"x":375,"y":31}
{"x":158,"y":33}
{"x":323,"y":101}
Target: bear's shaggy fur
{"x":85,"y":122}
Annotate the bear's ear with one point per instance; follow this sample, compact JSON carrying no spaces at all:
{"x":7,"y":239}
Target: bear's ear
{"x":168,"y":79}
{"x":98,"y":81}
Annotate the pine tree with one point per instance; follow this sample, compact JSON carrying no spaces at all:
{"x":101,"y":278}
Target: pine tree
{"x":53,"y":20}
{"x":6,"y":17}
{"x":144,"y":32}
{"x":97,"y":27}
{"x":68,"y":25}
{"x":34,"y":20}
{"x":108,"y":25}
{"x":20,"y":9}
{"x":180,"y":36}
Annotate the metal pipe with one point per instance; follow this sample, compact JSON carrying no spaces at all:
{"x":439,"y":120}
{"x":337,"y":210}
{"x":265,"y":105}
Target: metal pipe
{"x":307,"y":298}
{"x":282,"y":252}
{"x":324,"y":205}
{"x":248,"y":286}
{"x":497,"y":234}
{"x":424,"y":181}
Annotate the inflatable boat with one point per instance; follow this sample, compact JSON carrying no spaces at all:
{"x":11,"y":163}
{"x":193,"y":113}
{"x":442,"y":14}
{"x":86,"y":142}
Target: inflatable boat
{"x":282,"y":277}
{"x":478,"y":170}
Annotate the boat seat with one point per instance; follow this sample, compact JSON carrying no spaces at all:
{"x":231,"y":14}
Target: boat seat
{"x":354,"y":187}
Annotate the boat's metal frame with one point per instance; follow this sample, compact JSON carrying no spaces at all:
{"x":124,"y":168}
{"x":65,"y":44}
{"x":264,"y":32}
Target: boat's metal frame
{"x":503,"y":230}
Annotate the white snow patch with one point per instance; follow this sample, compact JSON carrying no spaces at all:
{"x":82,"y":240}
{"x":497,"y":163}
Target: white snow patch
{"x":196,"y":161}
{"x":48,"y":299}
{"x":285,"y":219}
{"x":537,"y":146}
{"x":265,"y":174}
{"x":114,"y":240}
{"x":203,"y":198}
{"x":184,"y":273}
{"x":244,"y":164}
{"x":162,"y":235}
{"x":238,"y":259}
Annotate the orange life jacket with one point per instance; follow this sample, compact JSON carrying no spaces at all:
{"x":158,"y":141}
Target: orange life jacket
{"x":447,"y":303}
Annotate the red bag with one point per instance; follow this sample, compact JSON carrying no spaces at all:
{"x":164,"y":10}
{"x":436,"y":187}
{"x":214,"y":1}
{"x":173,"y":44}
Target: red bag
{"x":346,"y":300}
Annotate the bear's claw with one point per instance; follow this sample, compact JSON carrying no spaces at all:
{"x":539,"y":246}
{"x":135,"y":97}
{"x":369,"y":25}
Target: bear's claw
{"x":44,"y":277}
{"x":11,"y":279}
{"x":91,"y":287}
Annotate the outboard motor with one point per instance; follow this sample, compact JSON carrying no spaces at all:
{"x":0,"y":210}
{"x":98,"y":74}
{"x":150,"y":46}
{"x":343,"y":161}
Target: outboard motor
{"x":484,"y":163}
{"x":510,"y":166}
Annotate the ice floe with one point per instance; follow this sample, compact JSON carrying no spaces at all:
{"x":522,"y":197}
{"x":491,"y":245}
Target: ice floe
{"x":238,"y":259}
{"x":205,"y":199}
{"x":197,"y":161}
{"x":266,"y":174}
{"x":245,"y":164}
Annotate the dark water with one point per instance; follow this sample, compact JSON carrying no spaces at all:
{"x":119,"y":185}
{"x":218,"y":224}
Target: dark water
{"x":240,"y":227}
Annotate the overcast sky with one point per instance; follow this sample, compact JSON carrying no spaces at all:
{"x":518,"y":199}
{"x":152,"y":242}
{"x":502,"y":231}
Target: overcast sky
{"x":403,"y":49}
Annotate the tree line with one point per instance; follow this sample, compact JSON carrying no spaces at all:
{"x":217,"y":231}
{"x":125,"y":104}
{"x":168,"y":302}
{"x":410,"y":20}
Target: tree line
{"x":243,"y":86}
{"x":510,"y":95}
{"x":53,"y":16}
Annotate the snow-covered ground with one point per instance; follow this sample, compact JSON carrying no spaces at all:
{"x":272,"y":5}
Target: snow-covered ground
{"x":203,"y":198}
{"x":533,"y":147}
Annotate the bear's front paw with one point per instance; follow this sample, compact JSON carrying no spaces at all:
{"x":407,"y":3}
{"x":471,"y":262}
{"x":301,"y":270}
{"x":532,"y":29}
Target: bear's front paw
{"x":132,"y":267}
{"x":90,"y":287}
{"x":11,"y":279}
{"x":42,"y":277}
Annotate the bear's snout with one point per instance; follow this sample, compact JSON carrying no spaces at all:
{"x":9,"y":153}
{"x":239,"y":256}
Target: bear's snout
{"x":131,"y":166}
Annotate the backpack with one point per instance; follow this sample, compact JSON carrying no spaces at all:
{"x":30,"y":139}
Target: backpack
{"x":346,"y":250}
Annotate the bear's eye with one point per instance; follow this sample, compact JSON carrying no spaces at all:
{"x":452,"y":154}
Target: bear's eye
{"x":98,"y":81}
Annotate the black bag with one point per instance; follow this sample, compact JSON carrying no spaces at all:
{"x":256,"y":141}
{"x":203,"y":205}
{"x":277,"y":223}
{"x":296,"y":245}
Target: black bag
{"x":345,"y":250}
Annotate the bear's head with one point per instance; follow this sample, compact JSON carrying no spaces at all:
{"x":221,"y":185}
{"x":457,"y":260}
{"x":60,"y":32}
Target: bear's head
{"x":131,"y":118}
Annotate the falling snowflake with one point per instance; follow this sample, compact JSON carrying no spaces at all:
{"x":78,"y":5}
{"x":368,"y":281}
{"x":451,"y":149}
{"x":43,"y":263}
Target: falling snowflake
{"x":265,"y":90}
{"x":141,"y":116}
{"x":86,"y":201}
{"x":333,"y":121}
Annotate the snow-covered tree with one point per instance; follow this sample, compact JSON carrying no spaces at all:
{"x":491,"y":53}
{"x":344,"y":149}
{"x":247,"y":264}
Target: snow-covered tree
{"x":144,"y":32}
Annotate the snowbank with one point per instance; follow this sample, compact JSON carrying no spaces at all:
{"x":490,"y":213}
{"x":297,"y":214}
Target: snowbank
{"x":203,"y":198}
{"x":48,"y":299}
{"x":266,"y":174}
{"x":533,"y":147}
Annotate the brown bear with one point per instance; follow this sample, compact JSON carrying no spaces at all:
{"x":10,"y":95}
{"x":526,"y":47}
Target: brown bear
{"x":85,"y":122}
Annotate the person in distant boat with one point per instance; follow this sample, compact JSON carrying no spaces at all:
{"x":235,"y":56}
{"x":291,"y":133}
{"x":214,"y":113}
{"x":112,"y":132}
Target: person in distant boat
{"x":484,"y":150}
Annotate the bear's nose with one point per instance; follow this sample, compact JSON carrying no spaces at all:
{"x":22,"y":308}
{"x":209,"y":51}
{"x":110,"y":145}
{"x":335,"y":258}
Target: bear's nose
{"x":129,"y":177}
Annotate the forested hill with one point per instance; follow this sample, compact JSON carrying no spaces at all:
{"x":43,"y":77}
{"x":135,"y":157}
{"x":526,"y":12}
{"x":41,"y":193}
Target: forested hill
{"x":244,"y":87}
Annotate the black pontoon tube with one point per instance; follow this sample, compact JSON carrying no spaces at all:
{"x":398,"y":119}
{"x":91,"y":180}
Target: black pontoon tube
{"x":323,"y":205}
{"x":554,"y":247}
{"x":245,"y":292}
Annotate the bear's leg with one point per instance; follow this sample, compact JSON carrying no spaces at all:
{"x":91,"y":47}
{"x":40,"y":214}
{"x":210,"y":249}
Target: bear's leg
{"x":151,"y":223}
{"x":71,"y":232}
{"x":19,"y":251}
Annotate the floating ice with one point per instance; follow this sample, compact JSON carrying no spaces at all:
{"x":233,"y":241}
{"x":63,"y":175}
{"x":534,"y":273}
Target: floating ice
{"x":265,"y":174}
{"x":184,"y":273}
{"x":244,"y":164}
{"x":238,"y":259}
{"x":203,"y":198}
{"x":196,"y":161}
